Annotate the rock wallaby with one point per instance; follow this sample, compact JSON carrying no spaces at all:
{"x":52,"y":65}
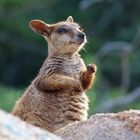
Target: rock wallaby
{"x":56,"y":97}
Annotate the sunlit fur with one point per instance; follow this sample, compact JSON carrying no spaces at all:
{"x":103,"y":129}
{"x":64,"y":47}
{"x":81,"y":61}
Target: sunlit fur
{"x":56,"y":97}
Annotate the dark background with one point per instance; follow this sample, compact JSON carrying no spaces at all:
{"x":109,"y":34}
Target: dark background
{"x":113,"y":33}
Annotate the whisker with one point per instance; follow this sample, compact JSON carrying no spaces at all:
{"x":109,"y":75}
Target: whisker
{"x":84,"y":49}
{"x":90,"y":34}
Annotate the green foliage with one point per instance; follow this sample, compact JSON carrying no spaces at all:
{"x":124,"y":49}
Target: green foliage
{"x":8,"y":97}
{"x":92,"y":99}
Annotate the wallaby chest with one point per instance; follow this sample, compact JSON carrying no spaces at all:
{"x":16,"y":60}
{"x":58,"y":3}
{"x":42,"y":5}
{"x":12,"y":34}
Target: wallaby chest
{"x":69,"y":66}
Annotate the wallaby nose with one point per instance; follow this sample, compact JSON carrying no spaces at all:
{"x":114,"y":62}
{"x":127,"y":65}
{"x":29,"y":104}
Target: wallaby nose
{"x":81,"y":35}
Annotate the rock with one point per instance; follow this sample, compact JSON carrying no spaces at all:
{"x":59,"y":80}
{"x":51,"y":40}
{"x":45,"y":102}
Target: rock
{"x":112,"y":126}
{"x":120,"y":126}
{"x":12,"y":128}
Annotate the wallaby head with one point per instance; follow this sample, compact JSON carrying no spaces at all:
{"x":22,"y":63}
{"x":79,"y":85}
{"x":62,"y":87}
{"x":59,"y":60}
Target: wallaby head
{"x":65,"y":37}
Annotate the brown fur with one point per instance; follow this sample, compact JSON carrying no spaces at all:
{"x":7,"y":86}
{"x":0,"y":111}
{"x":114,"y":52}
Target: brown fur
{"x":57,"y":95}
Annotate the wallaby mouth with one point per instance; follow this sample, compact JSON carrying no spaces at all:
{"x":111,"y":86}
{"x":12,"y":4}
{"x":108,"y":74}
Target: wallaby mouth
{"x":79,"y":40}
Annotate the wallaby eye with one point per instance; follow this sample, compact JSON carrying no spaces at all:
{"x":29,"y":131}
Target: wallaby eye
{"x":81,"y":29}
{"x":62,"y":30}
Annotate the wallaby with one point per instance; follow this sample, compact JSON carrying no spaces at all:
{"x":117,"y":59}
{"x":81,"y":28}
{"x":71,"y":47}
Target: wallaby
{"x":56,"y":97}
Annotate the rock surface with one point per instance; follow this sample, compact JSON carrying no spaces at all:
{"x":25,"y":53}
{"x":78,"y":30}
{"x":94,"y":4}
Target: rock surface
{"x":12,"y":128}
{"x":120,"y":126}
{"x":112,"y":126}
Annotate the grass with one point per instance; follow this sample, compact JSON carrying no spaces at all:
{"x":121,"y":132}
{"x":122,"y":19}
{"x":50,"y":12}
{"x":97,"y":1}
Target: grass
{"x":8,"y":97}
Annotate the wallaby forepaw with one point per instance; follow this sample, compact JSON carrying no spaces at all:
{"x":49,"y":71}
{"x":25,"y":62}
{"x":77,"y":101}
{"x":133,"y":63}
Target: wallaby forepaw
{"x":91,"y":68}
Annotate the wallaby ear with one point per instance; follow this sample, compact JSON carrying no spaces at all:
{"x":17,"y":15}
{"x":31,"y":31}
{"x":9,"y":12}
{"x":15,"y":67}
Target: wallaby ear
{"x":40,"y":27}
{"x":70,"y":19}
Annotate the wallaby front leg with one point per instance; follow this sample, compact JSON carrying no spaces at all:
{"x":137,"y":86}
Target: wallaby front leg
{"x":57,"y":82}
{"x":87,"y":77}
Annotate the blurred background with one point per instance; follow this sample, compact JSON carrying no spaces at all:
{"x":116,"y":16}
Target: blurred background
{"x":113,"y":33}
